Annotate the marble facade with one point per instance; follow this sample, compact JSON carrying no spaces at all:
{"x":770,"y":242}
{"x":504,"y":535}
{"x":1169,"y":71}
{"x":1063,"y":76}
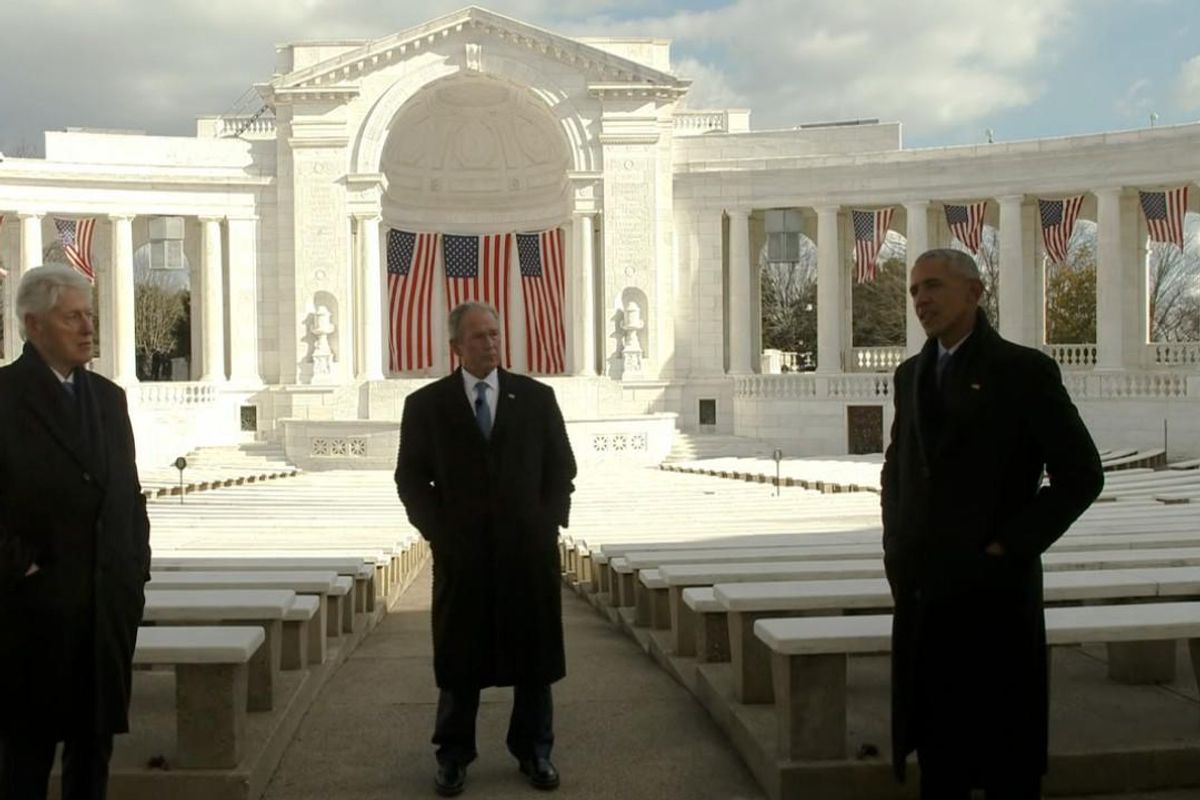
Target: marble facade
{"x":477,"y":123}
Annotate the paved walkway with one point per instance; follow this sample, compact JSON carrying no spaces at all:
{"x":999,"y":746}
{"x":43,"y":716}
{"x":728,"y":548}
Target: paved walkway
{"x":624,"y":728}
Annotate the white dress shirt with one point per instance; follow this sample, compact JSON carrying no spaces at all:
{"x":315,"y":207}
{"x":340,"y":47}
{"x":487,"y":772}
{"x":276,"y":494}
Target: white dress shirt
{"x":492,"y":394}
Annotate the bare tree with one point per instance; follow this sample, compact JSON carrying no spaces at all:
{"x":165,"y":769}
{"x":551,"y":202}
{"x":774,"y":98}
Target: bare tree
{"x":880,"y":307}
{"x":1174,"y":296}
{"x":988,"y":259}
{"x":159,"y":308}
{"x":789,"y":301}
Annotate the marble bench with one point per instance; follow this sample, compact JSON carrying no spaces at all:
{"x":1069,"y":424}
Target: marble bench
{"x":809,"y":658}
{"x":261,"y":608}
{"x":734,"y":608}
{"x":211,"y":688}
{"x":300,"y":624}
{"x":684,"y":623}
{"x":323,"y":585}
{"x":373,"y":577}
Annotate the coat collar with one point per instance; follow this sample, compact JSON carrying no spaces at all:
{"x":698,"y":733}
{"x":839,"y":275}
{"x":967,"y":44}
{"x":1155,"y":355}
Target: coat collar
{"x":506,"y":400}
{"x":48,"y":401}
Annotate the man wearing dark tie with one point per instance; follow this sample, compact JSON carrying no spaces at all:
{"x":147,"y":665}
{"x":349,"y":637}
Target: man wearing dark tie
{"x":74,"y":548}
{"x":966,"y":518}
{"x":485,"y":473}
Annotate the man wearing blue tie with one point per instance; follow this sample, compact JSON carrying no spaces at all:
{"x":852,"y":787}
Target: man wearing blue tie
{"x":485,"y":473}
{"x":74,"y":548}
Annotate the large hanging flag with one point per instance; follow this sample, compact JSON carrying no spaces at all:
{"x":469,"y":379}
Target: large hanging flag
{"x":542,"y":287}
{"x":410,"y":260}
{"x":1058,"y":221}
{"x":870,"y":229}
{"x":478,"y":270}
{"x":1164,"y":214}
{"x":966,"y":223}
{"x":75,"y":236}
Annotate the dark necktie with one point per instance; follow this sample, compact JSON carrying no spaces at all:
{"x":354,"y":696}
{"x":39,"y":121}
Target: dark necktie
{"x":483,"y":416}
{"x":69,"y":386}
{"x":943,"y":362}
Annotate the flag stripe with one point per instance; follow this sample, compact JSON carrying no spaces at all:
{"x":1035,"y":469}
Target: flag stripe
{"x":966,"y":223}
{"x":75,"y":236}
{"x":410,"y":260}
{"x":478,"y":269}
{"x":1058,"y":222}
{"x":870,"y":232}
{"x":543,"y":280}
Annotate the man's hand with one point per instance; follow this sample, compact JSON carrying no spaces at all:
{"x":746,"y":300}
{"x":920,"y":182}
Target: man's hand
{"x":995,"y":549}
{"x":33,"y":570}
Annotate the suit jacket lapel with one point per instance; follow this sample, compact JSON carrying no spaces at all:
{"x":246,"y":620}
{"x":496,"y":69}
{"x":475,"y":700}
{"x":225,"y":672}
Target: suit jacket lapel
{"x":925,"y":362}
{"x":505,"y":405}
{"x":47,"y":400}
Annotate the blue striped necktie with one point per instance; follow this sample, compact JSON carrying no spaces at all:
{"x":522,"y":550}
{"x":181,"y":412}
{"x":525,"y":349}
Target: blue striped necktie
{"x":483,"y":416}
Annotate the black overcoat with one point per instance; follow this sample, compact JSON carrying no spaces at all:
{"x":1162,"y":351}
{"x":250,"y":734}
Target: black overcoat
{"x":491,"y":510}
{"x":70,"y":501}
{"x":964,"y":469}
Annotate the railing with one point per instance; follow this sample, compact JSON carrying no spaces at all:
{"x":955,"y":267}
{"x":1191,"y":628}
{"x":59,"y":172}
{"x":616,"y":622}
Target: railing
{"x":1173,"y":354}
{"x":876,"y":359}
{"x":1125,"y":385}
{"x":807,"y":385}
{"x":1072,"y":356}
{"x":246,"y":125}
{"x":170,"y":393}
{"x":774,"y":362}
{"x":688,"y":122}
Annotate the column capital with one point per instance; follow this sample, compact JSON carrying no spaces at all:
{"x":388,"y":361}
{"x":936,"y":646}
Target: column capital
{"x":828,"y":208}
{"x":367,"y":216}
{"x":916,"y":205}
{"x":1010,"y":199}
{"x":208,"y":218}
{"x":121,"y":217}
{"x":741,"y":211}
{"x":247,"y":217}
{"x":1108,"y":190}
{"x":27,"y":214}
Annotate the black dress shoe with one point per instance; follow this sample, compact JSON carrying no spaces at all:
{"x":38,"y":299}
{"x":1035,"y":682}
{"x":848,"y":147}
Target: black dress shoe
{"x":541,"y":773}
{"x":450,"y":779}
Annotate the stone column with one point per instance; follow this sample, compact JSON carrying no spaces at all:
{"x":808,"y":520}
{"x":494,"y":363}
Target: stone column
{"x":1012,"y":271}
{"x":917,"y":234}
{"x":31,"y":241}
{"x":243,"y":301}
{"x":1110,"y":333}
{"x":371,"y":325}
{"x":739,"y":291}
{"x":121,"y":302}
{"x":829,"y":291}
{"x":584,"y":237}
{"x":212,"y":307}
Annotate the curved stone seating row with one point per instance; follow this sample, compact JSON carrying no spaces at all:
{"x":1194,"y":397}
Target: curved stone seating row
{"x":158,"y":483}
{"x":693,"y":603}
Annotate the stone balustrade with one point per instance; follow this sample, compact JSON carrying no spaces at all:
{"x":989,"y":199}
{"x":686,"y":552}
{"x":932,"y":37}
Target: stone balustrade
{"x":1072,"y":356}
{"x":189,"y":393}
{"x":814,"y":386}
{"x":688,"y":122}
{"x":876,"y":359}
{"x":1173,"y":354}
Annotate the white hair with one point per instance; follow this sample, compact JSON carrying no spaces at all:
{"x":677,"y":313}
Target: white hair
{"x":40,"y":288}
{"x":454,"y":323}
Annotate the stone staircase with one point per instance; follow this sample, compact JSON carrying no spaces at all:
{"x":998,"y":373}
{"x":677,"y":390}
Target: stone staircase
{"x":218,"y":466}
{"x":698,"y":446}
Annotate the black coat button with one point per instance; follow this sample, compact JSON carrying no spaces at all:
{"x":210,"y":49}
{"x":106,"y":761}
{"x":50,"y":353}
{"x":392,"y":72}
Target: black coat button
{"x":87,"y":478}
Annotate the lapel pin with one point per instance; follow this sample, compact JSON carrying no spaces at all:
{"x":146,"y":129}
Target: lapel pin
{"x":512,"y":396}
{"x":975,"y":386}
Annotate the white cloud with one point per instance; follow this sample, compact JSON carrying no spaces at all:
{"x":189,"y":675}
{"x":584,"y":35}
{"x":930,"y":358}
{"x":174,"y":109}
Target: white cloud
{"x":1187,"y":85}
{"x":1137,"y":100}
{"x":935,"y":66}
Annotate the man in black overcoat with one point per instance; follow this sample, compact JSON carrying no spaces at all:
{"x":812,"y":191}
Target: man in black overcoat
{"x":966,"y":517}
{"x":485,"y":473}
{"x":74,"y":548}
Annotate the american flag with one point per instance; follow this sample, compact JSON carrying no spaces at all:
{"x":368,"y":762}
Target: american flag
{"x":3,"y":271}
{"x":542,"y":286}
{"x":478,"y":269}
{"x":410,"y":260}
{"x":75,"y":236}
{"x":1058,"y":221}
{"x":1164,"y":214}
{"x":966,"y":223}
{"x":870,"y":229}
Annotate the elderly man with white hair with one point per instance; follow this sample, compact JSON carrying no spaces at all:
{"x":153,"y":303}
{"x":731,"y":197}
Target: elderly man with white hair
{"x":74,"y":548}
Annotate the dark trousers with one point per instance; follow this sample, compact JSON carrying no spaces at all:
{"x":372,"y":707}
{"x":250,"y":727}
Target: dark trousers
{"x":530,"y":728}
{"x":25,"y":765}
{"x":938,"y":783}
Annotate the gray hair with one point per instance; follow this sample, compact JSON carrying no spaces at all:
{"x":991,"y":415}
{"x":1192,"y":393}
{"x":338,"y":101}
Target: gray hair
{"x":454,"y":323}
{"x":40,"y":288}
{"x":959,"y":262}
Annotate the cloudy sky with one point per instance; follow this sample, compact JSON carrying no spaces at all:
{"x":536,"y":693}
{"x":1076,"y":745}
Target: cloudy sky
{"x":947,"y":70}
